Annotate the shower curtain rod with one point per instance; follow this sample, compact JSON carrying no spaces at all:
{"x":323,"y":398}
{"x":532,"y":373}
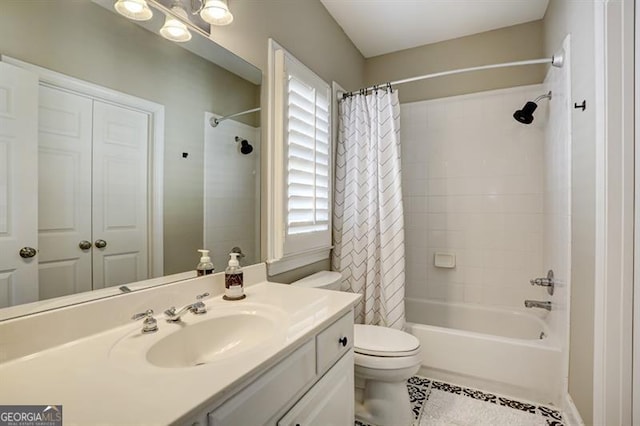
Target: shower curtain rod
{"x":215,"y":121}
{"x":556,"y":60}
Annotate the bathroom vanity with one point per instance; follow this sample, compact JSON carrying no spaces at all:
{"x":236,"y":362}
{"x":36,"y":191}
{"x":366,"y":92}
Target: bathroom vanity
{"x":282,"y":356}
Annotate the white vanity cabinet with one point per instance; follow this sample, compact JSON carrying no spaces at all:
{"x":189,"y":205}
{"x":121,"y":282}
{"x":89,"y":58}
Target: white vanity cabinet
{"x":314,"y":385}
{"x":326,"y":402}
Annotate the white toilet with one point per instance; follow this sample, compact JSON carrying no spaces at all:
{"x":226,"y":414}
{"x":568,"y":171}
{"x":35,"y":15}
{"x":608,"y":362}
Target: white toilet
{"x":384,"y":359}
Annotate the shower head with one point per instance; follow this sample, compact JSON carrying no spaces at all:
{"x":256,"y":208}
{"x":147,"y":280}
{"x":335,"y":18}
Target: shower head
{"x":245,"y":146}
{"x":525,"y":115}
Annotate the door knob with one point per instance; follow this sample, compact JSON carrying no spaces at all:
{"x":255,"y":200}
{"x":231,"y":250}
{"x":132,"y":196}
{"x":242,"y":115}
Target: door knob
{"x":84,"y":244}
{"x":100,"y":243}
{"x":27,"y":252}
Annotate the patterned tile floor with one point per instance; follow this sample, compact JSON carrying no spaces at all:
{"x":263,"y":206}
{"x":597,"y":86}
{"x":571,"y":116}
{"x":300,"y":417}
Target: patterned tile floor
{"x":437,"y":403}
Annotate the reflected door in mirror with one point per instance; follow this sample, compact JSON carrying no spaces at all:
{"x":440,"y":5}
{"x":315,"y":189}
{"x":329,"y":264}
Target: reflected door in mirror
{"x":18,"y":184}
{"x":92,"y":188}
{"x":120,"y":148}
{"x":65,"y":123}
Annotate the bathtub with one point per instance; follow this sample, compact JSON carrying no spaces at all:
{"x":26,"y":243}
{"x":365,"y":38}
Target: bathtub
{"x":498,"y":350}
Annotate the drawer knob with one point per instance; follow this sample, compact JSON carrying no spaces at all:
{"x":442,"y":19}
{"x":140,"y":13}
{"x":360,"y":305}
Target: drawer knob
{"x":343,"y":341}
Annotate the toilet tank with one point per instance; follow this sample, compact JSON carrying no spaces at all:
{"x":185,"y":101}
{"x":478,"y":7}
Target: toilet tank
{"x":328,"y":280}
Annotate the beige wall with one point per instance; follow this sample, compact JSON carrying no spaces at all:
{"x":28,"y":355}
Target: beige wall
{"x":519,"y":42}
{"x":576,"y":18}
{"x":88,"y":42}
{"x":303,"y":27}
{"x":296,"y":274}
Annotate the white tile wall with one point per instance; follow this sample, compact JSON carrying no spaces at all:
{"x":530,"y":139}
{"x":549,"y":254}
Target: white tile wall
{"x":474,"y":185}
{"x":557,"y":201}
{"x":232,"y":185}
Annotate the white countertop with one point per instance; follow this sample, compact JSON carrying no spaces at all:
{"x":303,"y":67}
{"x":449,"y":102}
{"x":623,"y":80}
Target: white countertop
{"x":96,"y":387}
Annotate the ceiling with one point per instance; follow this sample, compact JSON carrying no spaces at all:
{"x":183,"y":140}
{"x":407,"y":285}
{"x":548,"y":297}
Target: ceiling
{"x":377,"y":27}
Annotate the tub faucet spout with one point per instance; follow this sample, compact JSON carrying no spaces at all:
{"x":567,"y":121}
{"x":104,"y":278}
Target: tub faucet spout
{"x":537,"y":304}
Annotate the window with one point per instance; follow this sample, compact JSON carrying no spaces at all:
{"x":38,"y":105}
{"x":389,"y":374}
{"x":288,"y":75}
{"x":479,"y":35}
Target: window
{"x":302,"y":139}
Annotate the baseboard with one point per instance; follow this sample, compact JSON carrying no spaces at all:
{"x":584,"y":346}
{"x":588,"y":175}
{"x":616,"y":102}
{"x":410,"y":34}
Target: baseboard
{"x":571,"y":414}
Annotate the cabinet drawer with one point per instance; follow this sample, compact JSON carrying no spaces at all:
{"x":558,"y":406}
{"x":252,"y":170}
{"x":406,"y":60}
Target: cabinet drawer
{"x":333,"y":342}
{"x":261,"y":400}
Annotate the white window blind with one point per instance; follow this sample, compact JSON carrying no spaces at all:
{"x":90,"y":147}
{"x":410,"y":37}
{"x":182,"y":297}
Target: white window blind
{"x":307,"y":133}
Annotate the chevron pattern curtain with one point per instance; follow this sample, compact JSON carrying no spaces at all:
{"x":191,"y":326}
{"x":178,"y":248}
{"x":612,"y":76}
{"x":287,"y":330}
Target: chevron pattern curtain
{"x":368,"y":225}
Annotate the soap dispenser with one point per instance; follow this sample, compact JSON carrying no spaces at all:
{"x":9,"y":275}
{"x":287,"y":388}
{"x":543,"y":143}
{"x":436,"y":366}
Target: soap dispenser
{"x":233,"y":279}
{"x":205,"y":267}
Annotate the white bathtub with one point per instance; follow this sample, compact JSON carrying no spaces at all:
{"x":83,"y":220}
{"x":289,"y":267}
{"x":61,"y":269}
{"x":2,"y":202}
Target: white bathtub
{"x":497,"y":349}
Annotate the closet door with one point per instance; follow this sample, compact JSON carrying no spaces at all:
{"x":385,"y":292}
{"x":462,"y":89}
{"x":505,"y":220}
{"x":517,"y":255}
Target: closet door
{"x":64,"y":192}
{"x":120,"y":140}
{"x":18,"y":184}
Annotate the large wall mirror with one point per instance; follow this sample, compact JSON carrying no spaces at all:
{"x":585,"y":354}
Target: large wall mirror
{"x":110,"y":169}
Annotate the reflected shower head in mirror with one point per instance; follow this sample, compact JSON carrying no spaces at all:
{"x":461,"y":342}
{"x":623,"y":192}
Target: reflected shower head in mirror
{"x":525,"y":115}
{"x":245,"y":146}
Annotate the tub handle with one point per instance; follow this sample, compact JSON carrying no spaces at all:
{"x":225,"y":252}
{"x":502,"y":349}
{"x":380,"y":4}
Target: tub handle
{"x":547,"y":282}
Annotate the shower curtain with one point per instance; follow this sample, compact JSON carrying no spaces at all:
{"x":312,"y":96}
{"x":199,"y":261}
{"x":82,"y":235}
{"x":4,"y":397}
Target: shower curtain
{"x":368,"y":225}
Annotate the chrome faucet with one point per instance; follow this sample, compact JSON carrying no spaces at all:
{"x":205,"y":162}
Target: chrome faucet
{"x":537,"y":304}
{"x":197,"y":308}
{"x":149,"y":325}
{"x":548,"y":282}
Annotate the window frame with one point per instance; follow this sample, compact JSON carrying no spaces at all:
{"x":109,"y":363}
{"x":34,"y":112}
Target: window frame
{"x":286,"y":252}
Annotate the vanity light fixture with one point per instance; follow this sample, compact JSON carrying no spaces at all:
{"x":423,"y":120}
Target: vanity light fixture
{"x":216,"y":12}
{"x":138,"y":10}
{"x":173,"y":29}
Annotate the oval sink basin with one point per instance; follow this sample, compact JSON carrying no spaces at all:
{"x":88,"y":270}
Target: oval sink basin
{"x":222,"y":334}
{"x":210,"y":340}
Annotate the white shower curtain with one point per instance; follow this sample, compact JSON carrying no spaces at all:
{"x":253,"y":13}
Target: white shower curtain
{"x":368,"y":224}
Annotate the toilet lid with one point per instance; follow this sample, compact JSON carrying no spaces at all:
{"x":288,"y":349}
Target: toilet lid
{"x":383,"y":341}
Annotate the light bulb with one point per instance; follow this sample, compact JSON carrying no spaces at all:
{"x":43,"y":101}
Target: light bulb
{"x":175,"y":30}
{"x":216,"y":12}
{"x":138,"y":10}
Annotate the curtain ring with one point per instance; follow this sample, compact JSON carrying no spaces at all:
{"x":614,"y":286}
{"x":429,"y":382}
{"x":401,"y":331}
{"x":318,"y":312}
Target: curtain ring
{"x":389,"y":87}
{"x":375,"y":89}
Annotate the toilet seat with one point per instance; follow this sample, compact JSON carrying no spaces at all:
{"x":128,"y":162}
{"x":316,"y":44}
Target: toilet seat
{"x":377,"y":341}
{"x":386,"y":362}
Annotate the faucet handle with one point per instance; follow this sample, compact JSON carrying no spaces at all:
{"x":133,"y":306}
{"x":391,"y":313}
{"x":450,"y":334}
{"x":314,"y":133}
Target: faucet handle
{"x":149,"y":325}
{"x":202,"y":296}
{"x":199,"y":307}
{"x":548,"y":282}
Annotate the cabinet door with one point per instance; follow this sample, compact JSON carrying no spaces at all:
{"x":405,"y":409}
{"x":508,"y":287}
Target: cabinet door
{"x":120,"y":146}
{"x":330,"y":402}
{"x":262,"y":399}
{"x":64,"y":192}
{"x":18,"y":184}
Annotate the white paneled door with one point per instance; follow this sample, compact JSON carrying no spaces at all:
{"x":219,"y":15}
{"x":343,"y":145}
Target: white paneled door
{"x":92,"y":195}
{"x":18,"y":185}
{"x":120,"y":141}
{"x":64,"y":192}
